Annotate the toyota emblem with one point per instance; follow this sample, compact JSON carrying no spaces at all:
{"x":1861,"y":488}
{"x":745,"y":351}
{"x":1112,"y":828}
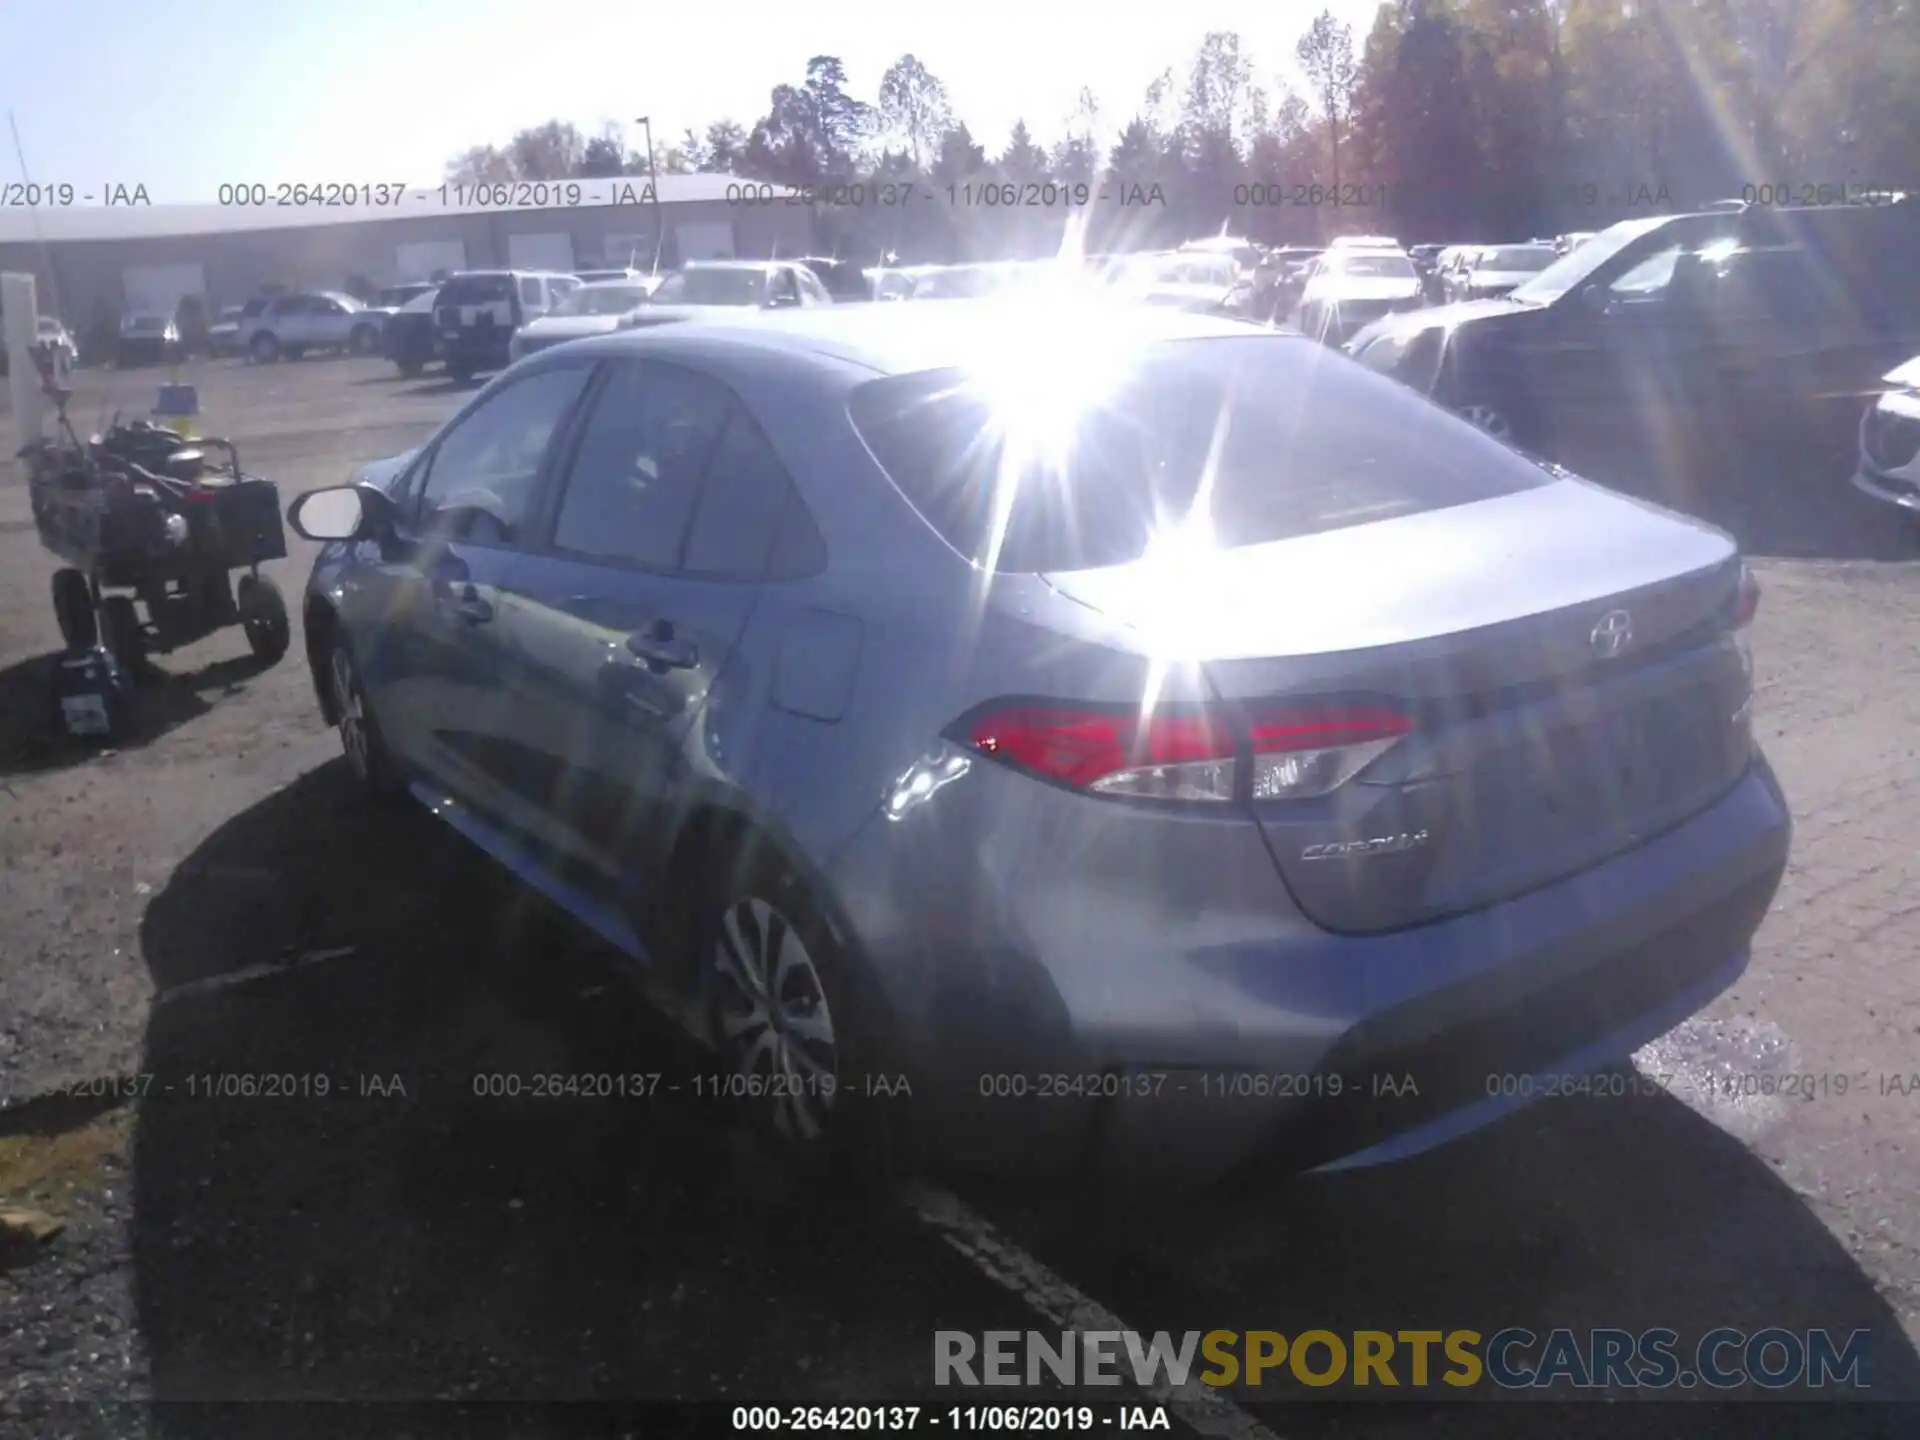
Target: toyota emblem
{"x":1613,"y":634}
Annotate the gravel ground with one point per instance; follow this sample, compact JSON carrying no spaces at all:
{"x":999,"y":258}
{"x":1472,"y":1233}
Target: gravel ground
{"x":401,"y":1239}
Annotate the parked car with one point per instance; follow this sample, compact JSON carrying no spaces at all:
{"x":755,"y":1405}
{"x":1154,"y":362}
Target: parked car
{"x":1365,"y":242}
{"x":1573,"y":240}
{"x":1350,"y":286}
{"x":53,"y":336}
{"x":708,"y":289}
{"x":1725,"y":326}
{"x":1244,"y":254}
{"x":1184,"y":280}
{"x":223,"y":336}
{"x":395,"y":297}
{"x":845,"y":281}
{"x":146,"y":337}
{"x":591,"y":310}
{"x":1490,"y":271}
{"x":688,"y":628}
{"x":477,"y":312}
{"x":895,"y":282}
{"x":408,"y":339}
{"x":1890,"y":442}
{"x":291,"y":325}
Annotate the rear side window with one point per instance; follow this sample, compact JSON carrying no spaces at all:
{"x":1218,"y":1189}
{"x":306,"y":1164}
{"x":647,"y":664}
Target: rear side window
{"x":748,"y":506}
{"x":1306,"y":443}
{"x":252,"y":308}
{"x":636,"y":472}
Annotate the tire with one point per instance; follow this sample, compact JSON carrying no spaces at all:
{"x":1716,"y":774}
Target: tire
{"x":409,"y":368}
{"x":376,"y":778}
{"x":460,"y":371}
{"x":763,"y":951}
{"x":122,"y":633}
{"x":362,"y":340}
{"x":264,"y":348}
{"x":1495,"y":416}
{"x":73,"y":609}
{"x":263,"y":615}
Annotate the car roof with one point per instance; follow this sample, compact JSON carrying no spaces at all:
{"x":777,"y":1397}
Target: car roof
{"x":761,"y":265}
{"x":625,"y":282}
{"x":905,"y":339}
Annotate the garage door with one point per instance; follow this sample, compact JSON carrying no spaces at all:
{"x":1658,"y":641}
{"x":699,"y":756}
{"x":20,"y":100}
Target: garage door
{"x":627,"y":252}
{"x":704,"y":239}
{"x":541,"y":252}
{"x":418,"y":259}
{"x":159,"y":289}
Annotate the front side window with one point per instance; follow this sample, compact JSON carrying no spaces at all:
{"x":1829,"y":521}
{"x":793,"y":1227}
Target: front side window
{"x":481,"y":476}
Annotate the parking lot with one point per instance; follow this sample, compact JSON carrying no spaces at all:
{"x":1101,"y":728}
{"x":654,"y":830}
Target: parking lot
{"x":204,"y":900}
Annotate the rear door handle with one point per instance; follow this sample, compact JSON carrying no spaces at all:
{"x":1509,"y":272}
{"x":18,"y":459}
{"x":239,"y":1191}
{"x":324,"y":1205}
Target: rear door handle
{"x":662,"y":649}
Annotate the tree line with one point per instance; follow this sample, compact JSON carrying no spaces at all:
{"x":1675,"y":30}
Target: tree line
{"x":1448,"y":120}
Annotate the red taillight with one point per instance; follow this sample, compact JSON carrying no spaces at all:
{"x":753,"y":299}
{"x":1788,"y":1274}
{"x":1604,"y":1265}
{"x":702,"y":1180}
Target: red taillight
{"x":1082,"y":747}
{"x":1296,"y":752}
{"x":1748,"y":603}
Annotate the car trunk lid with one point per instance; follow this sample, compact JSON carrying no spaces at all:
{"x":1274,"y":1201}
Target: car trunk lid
{"x":1564,"y":656}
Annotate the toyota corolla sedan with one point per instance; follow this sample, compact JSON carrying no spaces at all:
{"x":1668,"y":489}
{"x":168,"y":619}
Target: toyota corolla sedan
{"x":1117,"y":736}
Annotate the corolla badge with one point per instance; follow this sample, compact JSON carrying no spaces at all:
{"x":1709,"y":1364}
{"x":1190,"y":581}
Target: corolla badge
{"x":1613,"y":634}
{"x":1378,"y":845}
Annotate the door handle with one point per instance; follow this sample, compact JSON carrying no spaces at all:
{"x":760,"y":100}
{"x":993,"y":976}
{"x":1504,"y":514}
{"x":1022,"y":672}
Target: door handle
{"x":661,"y":649}
{"x":464,"y":605}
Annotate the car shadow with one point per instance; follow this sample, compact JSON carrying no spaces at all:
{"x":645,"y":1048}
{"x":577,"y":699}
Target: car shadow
{"x":409,"y":1137}
{"x":1628,"y":1212}
{"x":32,"y":742}
{"x":446,"y":385}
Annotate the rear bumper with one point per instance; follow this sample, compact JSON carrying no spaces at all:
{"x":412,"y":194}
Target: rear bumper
{"x":1145,"y":995}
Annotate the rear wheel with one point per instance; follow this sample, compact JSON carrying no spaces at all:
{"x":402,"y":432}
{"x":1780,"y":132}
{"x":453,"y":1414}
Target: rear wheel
{"x":73,"y":609}
{"x":792,"y":1021}
{"x":263,"y":615}
{"x":409,"y":367}
{"x":264,"y":348}
{"x":460,"y":371}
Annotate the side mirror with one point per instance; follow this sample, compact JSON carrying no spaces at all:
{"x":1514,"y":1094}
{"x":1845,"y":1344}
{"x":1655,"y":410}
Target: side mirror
{"x":341,"y":512}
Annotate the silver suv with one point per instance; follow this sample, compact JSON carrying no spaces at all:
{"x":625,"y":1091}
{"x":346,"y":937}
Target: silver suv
{"x":291,"y":325}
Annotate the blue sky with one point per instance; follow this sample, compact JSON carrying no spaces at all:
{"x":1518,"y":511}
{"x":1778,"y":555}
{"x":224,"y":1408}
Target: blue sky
{"x":351,"y":90}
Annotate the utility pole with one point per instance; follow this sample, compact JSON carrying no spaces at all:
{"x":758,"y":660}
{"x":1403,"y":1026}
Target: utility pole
{"x":653,"y":179}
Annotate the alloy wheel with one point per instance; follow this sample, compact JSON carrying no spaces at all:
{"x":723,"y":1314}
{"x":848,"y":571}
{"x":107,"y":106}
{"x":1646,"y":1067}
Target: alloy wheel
{"x":351,"y":708}
{"x":1489,"y":419}
{"x":774,"y":1027}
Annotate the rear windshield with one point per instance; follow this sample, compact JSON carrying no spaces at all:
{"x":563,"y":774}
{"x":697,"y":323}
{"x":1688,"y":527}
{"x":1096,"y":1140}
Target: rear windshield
{"x":475,"y":289}
{"x":1373,"y":267}
{"x":1308,"y":443}
{"x":1517,"y":257}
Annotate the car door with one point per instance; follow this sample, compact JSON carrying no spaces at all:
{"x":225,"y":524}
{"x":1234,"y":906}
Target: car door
{"x":428,"y":616}
{"x":624,"y":627}
{"x":332,"y":321}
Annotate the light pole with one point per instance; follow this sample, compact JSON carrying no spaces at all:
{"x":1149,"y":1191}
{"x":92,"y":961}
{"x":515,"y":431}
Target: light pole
{"x":653,"y":180}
